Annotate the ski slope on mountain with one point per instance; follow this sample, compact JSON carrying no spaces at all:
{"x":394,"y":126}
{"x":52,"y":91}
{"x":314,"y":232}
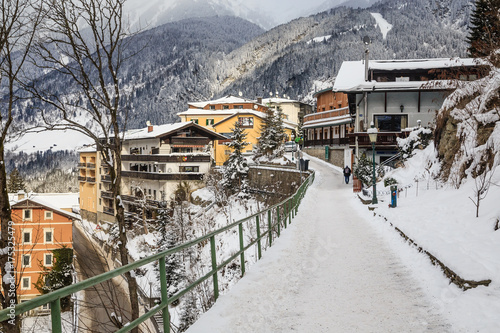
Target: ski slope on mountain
{"x":330,"y":271}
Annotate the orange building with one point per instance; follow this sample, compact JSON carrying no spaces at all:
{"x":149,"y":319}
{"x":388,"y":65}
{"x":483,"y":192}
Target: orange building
{"x":330,"y":122}
{"x":39,"y":228}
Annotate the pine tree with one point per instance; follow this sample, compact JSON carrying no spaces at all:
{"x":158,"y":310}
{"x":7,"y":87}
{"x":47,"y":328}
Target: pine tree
{"x":59,"y":275}
{"x":16,"y":182}
{"x":272,"y":134}
{"x":236,"y":169}
{"x":485,"y":28}
{"x":168,"y":239}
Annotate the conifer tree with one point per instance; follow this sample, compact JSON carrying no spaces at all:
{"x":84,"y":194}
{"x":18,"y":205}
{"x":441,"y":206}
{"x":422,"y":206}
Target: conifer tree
{"x":485,"y":28}
{"x":168,"y":239}
{"x":16,"y":182}
{"x":272,"y":133}
{"x":236,"y":168}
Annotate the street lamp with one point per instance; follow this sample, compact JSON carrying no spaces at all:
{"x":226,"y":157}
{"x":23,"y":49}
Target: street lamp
{"x":372,"y":134}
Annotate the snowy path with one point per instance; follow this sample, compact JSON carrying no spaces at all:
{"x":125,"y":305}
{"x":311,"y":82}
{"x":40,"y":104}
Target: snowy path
{"x":329,"y":272}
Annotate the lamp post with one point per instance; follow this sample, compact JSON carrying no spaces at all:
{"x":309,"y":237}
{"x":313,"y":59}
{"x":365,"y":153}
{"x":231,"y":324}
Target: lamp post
{"x":372,"y":134}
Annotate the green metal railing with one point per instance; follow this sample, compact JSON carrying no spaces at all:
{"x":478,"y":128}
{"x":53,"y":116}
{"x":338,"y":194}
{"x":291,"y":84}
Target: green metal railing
{"x":277,"y":216}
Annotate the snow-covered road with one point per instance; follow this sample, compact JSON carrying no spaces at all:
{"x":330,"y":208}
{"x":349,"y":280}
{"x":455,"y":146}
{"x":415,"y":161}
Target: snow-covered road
{"x":329,"y":272}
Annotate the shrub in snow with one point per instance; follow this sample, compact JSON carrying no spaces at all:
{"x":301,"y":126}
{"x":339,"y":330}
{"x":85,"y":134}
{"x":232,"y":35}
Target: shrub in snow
{"x":418,"y":139}
{"x":363,"y":170}
{"x":272,"y":135}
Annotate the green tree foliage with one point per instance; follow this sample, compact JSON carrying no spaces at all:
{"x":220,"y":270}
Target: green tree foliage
{"x":169,"y":237}
{"x":57,"y":276}
{"x":484,"y":28}
{"x":15,"y":182}
{"x":272,"y":134}
{"x":236,"y":168}
{"x":363,"y":170}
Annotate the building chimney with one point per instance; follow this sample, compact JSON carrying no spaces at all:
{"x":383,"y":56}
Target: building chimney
{"x":259,"y":100}
{"x":150,"y":128}
{"x":20,"y":195}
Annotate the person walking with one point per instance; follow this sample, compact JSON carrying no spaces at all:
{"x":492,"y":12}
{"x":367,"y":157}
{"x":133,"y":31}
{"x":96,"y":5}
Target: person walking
{"x":347,"y":174}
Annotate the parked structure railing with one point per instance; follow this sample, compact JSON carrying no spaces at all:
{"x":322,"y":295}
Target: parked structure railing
{"x":277,"y":216}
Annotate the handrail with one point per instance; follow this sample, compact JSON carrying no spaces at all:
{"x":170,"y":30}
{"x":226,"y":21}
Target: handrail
{"x":289,"y":208}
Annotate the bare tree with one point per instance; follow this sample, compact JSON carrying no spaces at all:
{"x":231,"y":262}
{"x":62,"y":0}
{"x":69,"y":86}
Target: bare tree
{"x":85,"y":42}
{"x":18,"y":23}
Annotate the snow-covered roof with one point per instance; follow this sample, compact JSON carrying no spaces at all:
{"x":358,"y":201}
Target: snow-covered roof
{"x":278,"y":100}
{"x":198,"y":112}
{"x":229,"y":99}
{"x":351,"y":76}
{"x":161,"y":130}
{"x":54,"y":201}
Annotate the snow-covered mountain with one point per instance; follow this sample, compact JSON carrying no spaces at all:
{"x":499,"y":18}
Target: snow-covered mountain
{"x":264,"y":13}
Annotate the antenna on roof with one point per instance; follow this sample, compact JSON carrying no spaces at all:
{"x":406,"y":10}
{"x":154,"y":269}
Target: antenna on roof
{"x":148,"y":123}
{"x":240,"y":94}
{"x":270,"y":93}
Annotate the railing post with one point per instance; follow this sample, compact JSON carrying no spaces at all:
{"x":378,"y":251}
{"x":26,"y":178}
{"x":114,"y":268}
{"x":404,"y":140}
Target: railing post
{"x":55,"y":315}
{"x":242,"y":255}
{"x":214,"y":267}
{"x":290,"y":211}
{"x":285,"y":213}
{"x":270,"y":227}
{"x":278,"y":217}
{"x":259,"y":244}
{"x":164,"y":295}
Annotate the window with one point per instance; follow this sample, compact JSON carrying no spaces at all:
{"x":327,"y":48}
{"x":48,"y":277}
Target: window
{"x":194,"y":121}
{"x":238,"y":107}
{"x":27,"y":214}
{"x":27,"y":236}
{"x":209,"y":122}
{"x":26,"y":260}
{"x":225,"y":107}
{"x":212,"y":107}
{"x":49,"y":234}
{"x":47,"y":261}
{"x":48,"y":215}
{"x":25,"y":283}
{"x":246,"y":122}
{"x":391,"y":123}
{"x":189,"y":169}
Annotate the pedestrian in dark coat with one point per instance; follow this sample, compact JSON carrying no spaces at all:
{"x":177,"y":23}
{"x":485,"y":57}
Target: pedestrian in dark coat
{"x":347,"y":174}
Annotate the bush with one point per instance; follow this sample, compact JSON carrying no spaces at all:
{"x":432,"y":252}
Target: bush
{"x":390,"y":181}
{"x":363,"y":171}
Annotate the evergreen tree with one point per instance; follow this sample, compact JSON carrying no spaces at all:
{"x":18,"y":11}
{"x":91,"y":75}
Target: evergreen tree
{"x":485,"y":28}
{"x":16,"y":182}
{"x":168,"y":239}
{"x":236,"y":168}
{"x":189,"y":312}
{"x":272,"y":134}
{"x":59,"y":275}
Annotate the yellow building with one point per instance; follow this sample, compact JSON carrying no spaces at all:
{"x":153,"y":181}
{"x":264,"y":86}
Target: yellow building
{"x":221,"y":115}
{"x":88,"y":181}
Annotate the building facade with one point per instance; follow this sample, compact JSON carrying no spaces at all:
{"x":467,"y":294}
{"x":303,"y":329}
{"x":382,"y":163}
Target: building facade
{"x":397,"y":96}
{"x":39,"y":229}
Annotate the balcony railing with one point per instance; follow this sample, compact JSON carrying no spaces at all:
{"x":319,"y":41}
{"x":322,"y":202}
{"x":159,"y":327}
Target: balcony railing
{"x":384,"y":139}
{"x":326,"y":114}
{"x":326,"y":142}
{"x":163,"y":176}
{"x":82,"y":178}
{"x":82,"y":165}
{"x":108,"y":210}
{"x":106,"y":178}
{"x":107,"y":194}
{"x":167,"y":158}
{"x":91,"y":165}
{"x":91,"y":179}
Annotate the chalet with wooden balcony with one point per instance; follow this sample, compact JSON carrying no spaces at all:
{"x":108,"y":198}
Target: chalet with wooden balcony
{"x":397,"y":96}
{"x":156,"y":159}
{"x":221,"y":114}
{"x":330,"y":122}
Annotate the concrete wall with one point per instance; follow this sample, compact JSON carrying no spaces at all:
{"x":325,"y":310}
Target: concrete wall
{"x":283,"y":182}
{"x":336,"y":155}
